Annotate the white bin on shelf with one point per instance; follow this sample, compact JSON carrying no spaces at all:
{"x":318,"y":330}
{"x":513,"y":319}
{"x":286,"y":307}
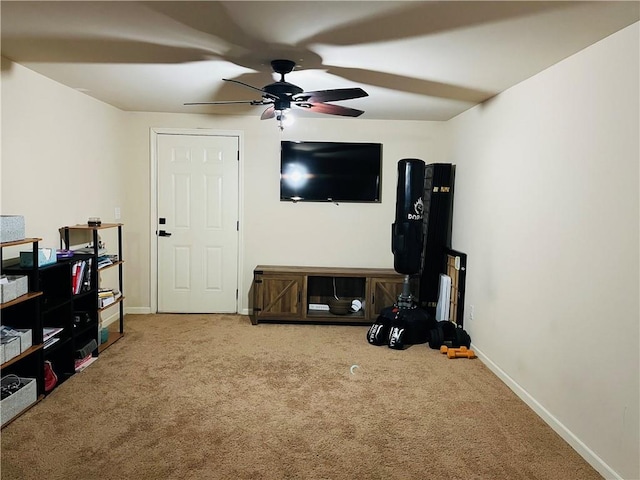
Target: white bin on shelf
{"x":12,"y":287}
{"x":20,"y":400}
{"x":9,"y":348}
{"x":26,"y":338}
{"x":11,"y":228}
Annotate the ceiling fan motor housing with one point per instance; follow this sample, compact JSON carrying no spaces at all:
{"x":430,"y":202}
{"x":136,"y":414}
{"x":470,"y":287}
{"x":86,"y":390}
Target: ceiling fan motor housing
{"x":281,"y":89}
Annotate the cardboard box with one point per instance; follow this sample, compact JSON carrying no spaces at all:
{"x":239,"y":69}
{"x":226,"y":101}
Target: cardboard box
{"x":19,"y":400}
{"x":12,"y":287}
{"x":46,"y":256}
{"x":11,"y":228}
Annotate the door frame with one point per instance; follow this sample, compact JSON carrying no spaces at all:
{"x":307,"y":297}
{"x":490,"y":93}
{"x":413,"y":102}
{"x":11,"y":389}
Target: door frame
{"x":153,"y":187}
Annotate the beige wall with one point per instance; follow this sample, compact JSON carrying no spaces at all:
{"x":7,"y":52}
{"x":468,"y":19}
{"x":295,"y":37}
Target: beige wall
{"x":275,"y":232}
{"x":63,"y":157}
{"x":546,"y":207}
{"x":85,"y":158}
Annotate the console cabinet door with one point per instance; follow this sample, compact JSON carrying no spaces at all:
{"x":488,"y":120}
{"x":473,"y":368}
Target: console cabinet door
{"x":383,"y":293}
{"x":279,"y":297}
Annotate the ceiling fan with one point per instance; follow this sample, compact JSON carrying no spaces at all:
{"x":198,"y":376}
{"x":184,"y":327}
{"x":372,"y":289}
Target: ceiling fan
{"x":281,"y":95}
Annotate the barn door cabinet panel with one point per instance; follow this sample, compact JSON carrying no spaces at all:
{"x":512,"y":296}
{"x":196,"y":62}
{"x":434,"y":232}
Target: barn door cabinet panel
{"x":292,"y":293}
{"x":278,"y":295}
{"x":383,"y":292}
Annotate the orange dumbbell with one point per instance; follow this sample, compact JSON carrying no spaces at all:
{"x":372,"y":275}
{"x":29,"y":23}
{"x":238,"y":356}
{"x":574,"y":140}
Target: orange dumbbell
{"x":462,"y":352}
{"x":445,"y":349}
{"x":455,"y":353}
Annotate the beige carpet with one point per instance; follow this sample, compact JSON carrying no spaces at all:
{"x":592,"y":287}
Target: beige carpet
{"x":213,"y":397}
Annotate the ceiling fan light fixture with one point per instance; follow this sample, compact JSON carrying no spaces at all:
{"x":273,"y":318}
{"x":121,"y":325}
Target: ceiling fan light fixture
{"x":284,"y":118}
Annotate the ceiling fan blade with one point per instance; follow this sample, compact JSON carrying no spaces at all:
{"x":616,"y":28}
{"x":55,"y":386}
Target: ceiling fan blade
{"x":412,"y":85}
{"x":330,"y":95}
{"x":229,"y":102}
{"x":270,"y":112}
{"x":264,"y":94}
{"x":331,"y":109}
{"x":404,"y":20}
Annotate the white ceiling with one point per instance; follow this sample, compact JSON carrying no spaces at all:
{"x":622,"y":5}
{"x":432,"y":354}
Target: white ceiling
{"x":418,"y":60}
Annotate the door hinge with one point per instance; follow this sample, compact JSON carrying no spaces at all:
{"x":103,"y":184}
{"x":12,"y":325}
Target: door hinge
{"x":237,"y":294}
{"x":238,"y":155}
{"x":237,"y":225}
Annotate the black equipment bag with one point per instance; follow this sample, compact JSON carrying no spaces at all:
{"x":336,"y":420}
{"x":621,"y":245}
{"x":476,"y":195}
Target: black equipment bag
{"x":398,"y":327}
{"x":447,"y":333}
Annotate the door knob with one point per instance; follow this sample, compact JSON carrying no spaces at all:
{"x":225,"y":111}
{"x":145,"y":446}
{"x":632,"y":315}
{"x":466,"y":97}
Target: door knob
{"x":162,"y":233}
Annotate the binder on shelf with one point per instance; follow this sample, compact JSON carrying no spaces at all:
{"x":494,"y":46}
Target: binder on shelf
{"x":81,"y":276}
{"x":86,"y":281}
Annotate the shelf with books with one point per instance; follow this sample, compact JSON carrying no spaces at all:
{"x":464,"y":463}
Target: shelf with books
{"x":107,"y":297}
{"x":101,"y":298}
{"x":51,"y":335}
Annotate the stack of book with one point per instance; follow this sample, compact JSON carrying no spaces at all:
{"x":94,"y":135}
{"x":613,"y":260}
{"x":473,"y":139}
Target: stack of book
{"x":88,"y":250}
{"x":107,"y":296}
{"x":106,"y":260}
{"x":49,"y":336}
{"x":82,"y":363}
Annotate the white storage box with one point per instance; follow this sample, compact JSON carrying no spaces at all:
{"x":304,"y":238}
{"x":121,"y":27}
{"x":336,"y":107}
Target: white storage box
{"x":20,"y":400}
{"x":12,"y":287}
{"x":11,"y":228}
{"x":26,"y":338}
{"x":46,"y":256}
{"x":9,"y":348}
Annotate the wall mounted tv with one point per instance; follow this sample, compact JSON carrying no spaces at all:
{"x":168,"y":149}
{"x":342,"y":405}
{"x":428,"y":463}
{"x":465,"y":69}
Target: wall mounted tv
{"x":330,"y":171}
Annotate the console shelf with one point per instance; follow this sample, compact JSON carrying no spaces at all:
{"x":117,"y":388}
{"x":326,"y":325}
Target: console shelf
{"x":284,"y":293}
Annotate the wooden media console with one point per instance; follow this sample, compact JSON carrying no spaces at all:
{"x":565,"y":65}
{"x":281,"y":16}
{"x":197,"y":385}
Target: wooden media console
{"x":286,"y":293}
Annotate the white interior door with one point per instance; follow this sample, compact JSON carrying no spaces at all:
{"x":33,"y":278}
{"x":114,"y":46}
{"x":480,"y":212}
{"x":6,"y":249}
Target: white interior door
{"x":197,"y":205}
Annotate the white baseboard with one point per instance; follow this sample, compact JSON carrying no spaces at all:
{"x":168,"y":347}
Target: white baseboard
{"x":147,"y":311}
{"x":106,"y":321}
{"x":137,"y":310}
{"x":585,"y":452}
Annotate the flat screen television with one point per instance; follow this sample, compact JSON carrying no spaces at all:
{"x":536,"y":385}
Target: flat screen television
{"x":330,"y":171}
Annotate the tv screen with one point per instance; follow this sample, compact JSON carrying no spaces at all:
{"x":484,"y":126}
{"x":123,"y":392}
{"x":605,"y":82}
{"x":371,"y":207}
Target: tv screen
{"x":330,"y":171}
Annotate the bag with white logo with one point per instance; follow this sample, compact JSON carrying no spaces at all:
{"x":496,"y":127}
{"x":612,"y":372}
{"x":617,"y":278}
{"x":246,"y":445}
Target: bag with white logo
{"x":378,"y":333}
